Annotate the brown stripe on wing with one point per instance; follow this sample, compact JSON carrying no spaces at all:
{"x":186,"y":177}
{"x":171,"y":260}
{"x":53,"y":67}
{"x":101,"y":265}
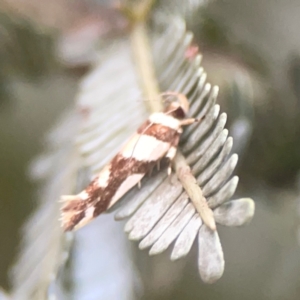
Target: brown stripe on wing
{"x":74,"y":211}
{"x":76,"y":204}
{"x":160,"y":132}
{"x":74,"y":220}
{"x":121,"y":168}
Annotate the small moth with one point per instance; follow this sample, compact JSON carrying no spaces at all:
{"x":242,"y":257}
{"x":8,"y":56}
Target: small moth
{"x":156,"y":138}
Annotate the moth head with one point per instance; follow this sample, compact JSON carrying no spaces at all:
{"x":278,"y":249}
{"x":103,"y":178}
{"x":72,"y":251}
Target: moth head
{"x":175,"y":104}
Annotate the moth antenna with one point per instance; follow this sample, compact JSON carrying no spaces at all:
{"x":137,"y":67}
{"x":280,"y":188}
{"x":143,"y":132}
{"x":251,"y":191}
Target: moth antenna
{"x":170,"y":111}
{"x":147,"y":127}
{"x":200,"y":119}
{"x":150,"y":172}
{"x":164,"y":97}
{"x":171,"y":93}
{"x":158,"y":165}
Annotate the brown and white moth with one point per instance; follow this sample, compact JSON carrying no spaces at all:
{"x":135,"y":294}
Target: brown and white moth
{"x":156,"y":138}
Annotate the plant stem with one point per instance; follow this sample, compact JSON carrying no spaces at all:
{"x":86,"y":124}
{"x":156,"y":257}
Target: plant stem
{"x":145,"y":66}
{"x":189,"y":182}
{"x":137,"y":11}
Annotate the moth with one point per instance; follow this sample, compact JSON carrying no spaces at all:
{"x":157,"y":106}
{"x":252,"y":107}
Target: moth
{"x":156,"y":138}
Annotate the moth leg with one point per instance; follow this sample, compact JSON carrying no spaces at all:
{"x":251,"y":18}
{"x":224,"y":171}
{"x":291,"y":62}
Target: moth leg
{"x":190,"y":121}
{"x":158,"y":165}
{"x":150,"y":171}
{"x":169,"y":170}
{"x":170,"y":155}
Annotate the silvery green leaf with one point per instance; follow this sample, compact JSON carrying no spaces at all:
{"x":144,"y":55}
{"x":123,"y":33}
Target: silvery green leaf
{"x":210,"y":258}
{"x":132,"y":200}
{"x":165,"y":222}
{"x":173,"y":230}
{"x":45,"y":248}
{"x":224,"y":194}
{"x":235,"y":212}
{"x":107,"y":106}
{"x":186,"y":238}
{"x":110,"y":114}
{"x":153,"y":209}
{"x":208,"y":148}
{"x":40,"y":268}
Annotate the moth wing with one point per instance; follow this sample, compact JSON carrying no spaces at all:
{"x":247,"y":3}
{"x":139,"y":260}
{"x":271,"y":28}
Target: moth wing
{"x":75,"y":212}
{"x":145,"y":150}
{"x":142,"y":147}
{"x":126,"y":185}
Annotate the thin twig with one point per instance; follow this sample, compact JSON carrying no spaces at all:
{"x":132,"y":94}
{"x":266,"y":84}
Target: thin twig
{"x":137,"y":11}
{"x":141,"y":49}
{"x":189,"y":182}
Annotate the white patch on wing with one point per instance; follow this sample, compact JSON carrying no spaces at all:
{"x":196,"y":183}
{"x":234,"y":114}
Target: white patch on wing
{"x":171,"y":153}
{"x":165,"y":120}
{"x":145,"y":148}
{"x":67,"y":198}
{"x":89,"y":216}
{"x":83,"y":195}
{"x":126,"y":185}
{"x":103,"y":177}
